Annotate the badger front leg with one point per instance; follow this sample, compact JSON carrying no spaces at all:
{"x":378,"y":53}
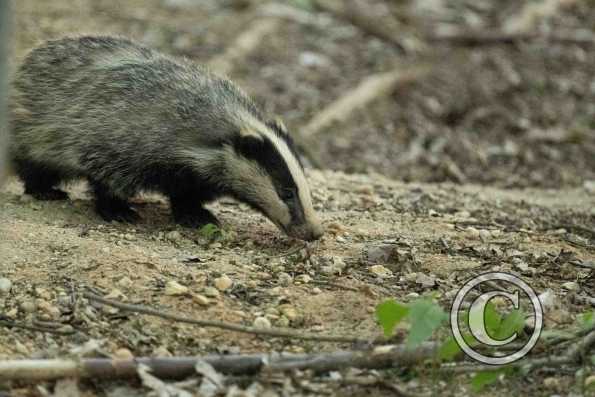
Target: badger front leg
{"x":187,"y":208}
{"x":110,"y":207}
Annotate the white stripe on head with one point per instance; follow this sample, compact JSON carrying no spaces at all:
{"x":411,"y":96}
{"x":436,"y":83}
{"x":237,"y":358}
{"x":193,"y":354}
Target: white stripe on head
{"x":247,"y":177}
{"x":293,"y":165}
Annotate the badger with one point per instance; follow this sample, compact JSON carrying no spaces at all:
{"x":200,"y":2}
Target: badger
{"x":129,"y":119}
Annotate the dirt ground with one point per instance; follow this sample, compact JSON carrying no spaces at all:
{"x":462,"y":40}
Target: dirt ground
{"x":505,"y":134}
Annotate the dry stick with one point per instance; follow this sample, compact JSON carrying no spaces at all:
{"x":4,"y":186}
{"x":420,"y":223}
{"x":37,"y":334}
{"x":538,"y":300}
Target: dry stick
{"x":34,"y":327}
{"x":182,"y":367}
{"x":244,"y":44}
{"x":475,"y":38}
{"x":349,"y":12}
{"x":573,"y":355}
{"x":520,"y":29}
{"x":272,"y":332}
{"x":532,"y":14}
{"x":368,"y":90}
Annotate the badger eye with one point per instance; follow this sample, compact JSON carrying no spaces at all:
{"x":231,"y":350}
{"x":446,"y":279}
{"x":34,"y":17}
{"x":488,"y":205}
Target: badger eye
{"x":287,"y":194}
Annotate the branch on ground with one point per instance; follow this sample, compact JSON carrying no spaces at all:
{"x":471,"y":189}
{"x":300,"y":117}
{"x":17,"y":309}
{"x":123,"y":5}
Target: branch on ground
{"x":244,"y":44}
{"x":371,"y":88}
{"x":271,"y":332}
{"x":182,"y":367}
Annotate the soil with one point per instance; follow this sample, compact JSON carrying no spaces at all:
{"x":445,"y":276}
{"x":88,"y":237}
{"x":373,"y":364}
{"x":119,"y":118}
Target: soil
{"x":515,"y":123}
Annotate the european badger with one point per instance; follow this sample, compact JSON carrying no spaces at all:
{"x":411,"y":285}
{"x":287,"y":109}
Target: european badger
{"x":131,"y":119}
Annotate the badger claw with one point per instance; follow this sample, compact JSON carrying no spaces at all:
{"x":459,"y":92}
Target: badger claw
{"x":49,"y":195}
{"x":195,"y":218}
{"x":118,"y":213}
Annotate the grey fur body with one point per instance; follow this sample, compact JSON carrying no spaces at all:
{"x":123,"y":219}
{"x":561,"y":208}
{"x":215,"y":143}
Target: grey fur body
{"x":5,"y":39}
{"x":131,"y":119}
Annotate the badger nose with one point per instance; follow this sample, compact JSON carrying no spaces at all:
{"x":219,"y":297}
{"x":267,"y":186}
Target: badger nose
{"x":314,"y":232}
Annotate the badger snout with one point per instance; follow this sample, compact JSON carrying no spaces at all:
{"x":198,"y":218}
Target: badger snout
{"x":306,"y":232}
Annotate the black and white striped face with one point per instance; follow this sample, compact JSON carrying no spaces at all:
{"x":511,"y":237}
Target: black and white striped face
{"x":266,"y":173}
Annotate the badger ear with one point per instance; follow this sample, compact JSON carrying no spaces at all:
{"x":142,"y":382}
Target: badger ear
{"x":248,"y":132}
{"x":278,"y":124}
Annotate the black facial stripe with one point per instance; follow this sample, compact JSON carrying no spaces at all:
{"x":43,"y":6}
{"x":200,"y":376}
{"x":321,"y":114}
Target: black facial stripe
{"x":263,"y":151}
{"x":287,"y":138}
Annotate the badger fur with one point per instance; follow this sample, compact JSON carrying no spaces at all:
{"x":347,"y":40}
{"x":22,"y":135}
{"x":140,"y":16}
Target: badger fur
{"x":130,"y":119}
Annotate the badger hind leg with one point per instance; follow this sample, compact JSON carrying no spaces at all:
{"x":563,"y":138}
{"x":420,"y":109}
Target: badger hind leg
{"x":111,"y":207}
{"x":40,"y":181}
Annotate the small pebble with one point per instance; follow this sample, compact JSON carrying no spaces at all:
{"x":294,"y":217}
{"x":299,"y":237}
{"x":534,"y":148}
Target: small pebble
{"x":162,"y":351}
{"x":380,"y":271}
{"x":125,"y":282}
{"x":28,"y":306}
{"x":115,"y":294}
{"x":316,"y":291}
{"x":380,"y":253}
{"x":303,"y":278}
{"x":289,"y":311}
{"x":484,"y":235}
{"x":173,"y":236}
{"x":425,"y":280}
{"x":551,"y":383}
{"x":547,"y":299}
{"x":571,"y":286}
{"x":5,"y":286}
{"x":211,"y":292}
{"x":473,"y":232}
{"x":50,"y":311}
{"x":174,"y":288}
{"x":262,"y":323}
{"x":123,"y":354}
{"x":223,"y":283}
{"x":329,"y":264}
{"x":200,"y":299}
{"x":285,"y":279}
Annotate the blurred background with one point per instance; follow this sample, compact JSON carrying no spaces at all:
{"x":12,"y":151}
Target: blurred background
{"x":466,"y":91}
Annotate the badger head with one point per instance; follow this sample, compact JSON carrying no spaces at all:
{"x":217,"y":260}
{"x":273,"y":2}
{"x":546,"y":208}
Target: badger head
{"x":263,"y":170}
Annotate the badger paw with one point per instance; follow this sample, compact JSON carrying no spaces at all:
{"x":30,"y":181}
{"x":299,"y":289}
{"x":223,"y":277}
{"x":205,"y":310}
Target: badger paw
{"x":195,"y":219}
{"x":49,"y":195}
{"x":119,"y":213}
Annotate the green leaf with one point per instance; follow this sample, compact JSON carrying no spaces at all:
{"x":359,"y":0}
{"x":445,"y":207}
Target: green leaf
{"x":389,"y":314}
{"x":513,"y":323}
{"x":211,"y":232}
{"x":493,"y":319}
{"x":425,"y":316}
{"x":586,"y":320}
{"x":303,"y":4}
{"x":485,"y":378}
{"x":450,"y":349}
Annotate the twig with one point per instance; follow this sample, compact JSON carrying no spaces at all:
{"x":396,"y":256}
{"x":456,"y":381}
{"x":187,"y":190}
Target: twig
{"x":532,"y":14}
{"x":358,"y":17}
{"x":577,"y":228}
{"x":272,"y":332}
{"x":291,"y":251}
{"x":475,"y":38}
{"x":33,"y":327}
{"x":572,"y":355}
{"x":331,"y":284}
{"x":182,"y":367}
{"x":244,"y":44}
{"x":369,"y":89}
